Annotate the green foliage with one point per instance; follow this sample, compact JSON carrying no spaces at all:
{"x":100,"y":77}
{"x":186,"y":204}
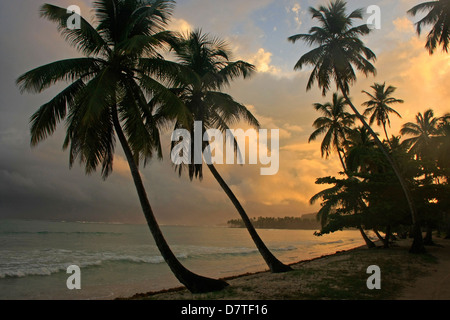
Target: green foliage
{"x":120,"y":69}
{"x":438,"y":17}
{"x":206,"y":69}
{"x":338,"y":48}
{"x":371,"y":197}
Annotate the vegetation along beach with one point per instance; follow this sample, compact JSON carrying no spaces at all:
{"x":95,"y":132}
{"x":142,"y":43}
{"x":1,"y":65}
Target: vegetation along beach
{"x":225,"y":150}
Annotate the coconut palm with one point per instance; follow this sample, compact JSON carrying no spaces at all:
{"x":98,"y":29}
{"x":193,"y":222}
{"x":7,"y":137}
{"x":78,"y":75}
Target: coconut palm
{"x":422,"y":131}
{"x":207,"y":70}
{"x":378,"y":106}
{"x":339,"y":51}
{"x":335,"y":123}
{"x":107,"y":95}
{"x":361,"y":151}
{"x":438,"y":17}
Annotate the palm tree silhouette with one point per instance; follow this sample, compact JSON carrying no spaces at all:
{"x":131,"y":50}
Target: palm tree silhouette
{"x":378,"y":106}
{"x":207,"y":69}
{"x":438,"y":17}
{"x":335,"y":124}
{"x":107,"y":97}
{"x":339,"y":51}
{"x":422,"y":131}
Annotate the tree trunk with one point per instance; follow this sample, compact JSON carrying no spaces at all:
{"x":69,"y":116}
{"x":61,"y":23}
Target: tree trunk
{"x":344,"y":167}
{"x":369,"y":242}
{"x":275,"y":265}
{"x":378,"y":235}
{"x":428,"y":240}
{"x":387,"y":237}
{"x":417,"y":245}
{"x":387,"y":137}
{"x":192,"y":281}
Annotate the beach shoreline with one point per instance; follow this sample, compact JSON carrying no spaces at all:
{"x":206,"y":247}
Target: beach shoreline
{"x":339,"y":275}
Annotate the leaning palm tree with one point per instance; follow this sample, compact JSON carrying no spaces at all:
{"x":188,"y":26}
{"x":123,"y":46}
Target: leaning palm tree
{"x":339,"y":51}
{"x":335,"y":124}
{"x":107,"y":96}
{"x":438,"y":17}
{"x":207,"y":69}
{"x":378,"y":106}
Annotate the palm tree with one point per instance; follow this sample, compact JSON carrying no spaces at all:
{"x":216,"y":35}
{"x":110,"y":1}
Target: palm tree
{"x":423,"y":144}
{"x":378,"y":106}
{"x":335,"y":123}
{"x":207,"y":69}
{"x":422,"y":132}
{"x":438,"y":16}
{"x":339,"y":50}
{"x":107,"y":97}
{"x":361,"y":155}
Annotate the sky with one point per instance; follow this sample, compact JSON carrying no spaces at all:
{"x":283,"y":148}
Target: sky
{"x":36,"y":183}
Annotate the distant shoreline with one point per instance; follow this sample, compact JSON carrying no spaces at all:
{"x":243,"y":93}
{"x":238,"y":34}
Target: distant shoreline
{"x":305,"y":222}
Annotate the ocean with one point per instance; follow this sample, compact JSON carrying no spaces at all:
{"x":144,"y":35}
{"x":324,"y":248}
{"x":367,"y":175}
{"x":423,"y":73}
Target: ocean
{"x":120,"y":260}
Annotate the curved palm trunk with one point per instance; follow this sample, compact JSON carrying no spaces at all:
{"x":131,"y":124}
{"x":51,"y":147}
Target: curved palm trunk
{"x":417,"y":245}
{"x":378,"y":235}
{"x":192,"y":281}
{"x":369,"y":242}
{"x":275,"y":265}
{"x":387,"y":137}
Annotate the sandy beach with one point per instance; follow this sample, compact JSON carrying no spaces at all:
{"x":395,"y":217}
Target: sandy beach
{"x":341,"y":276}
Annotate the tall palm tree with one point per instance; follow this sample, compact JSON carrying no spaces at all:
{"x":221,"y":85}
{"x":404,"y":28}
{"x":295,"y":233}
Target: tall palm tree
{"x":378,"y":106}
{"x":335,"y":123}
{"x":339,"y":51}
{"x":424,"y":144}
{"x":107,"y":97}
{"x":207,"y":70}
{"x":438,"y":17}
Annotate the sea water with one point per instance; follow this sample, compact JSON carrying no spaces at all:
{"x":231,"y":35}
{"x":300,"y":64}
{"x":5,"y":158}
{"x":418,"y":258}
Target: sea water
{"x":120,"y":260}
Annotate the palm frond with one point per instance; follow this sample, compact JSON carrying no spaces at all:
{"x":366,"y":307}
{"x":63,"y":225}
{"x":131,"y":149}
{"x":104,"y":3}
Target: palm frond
{"x":45,"y":76}
{"x":86,"y":38}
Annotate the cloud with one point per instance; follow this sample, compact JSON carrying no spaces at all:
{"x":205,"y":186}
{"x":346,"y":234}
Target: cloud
{"x":262,"y":61}
{"x":404,"y":25}
{"x":296,"y":9}
{"x":180,"y":25}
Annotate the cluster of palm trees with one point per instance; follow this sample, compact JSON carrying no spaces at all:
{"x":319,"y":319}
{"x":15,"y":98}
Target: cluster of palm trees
{"x":338,"y":52}
{"x":123,"y":88}
{"x":369,"y":197}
